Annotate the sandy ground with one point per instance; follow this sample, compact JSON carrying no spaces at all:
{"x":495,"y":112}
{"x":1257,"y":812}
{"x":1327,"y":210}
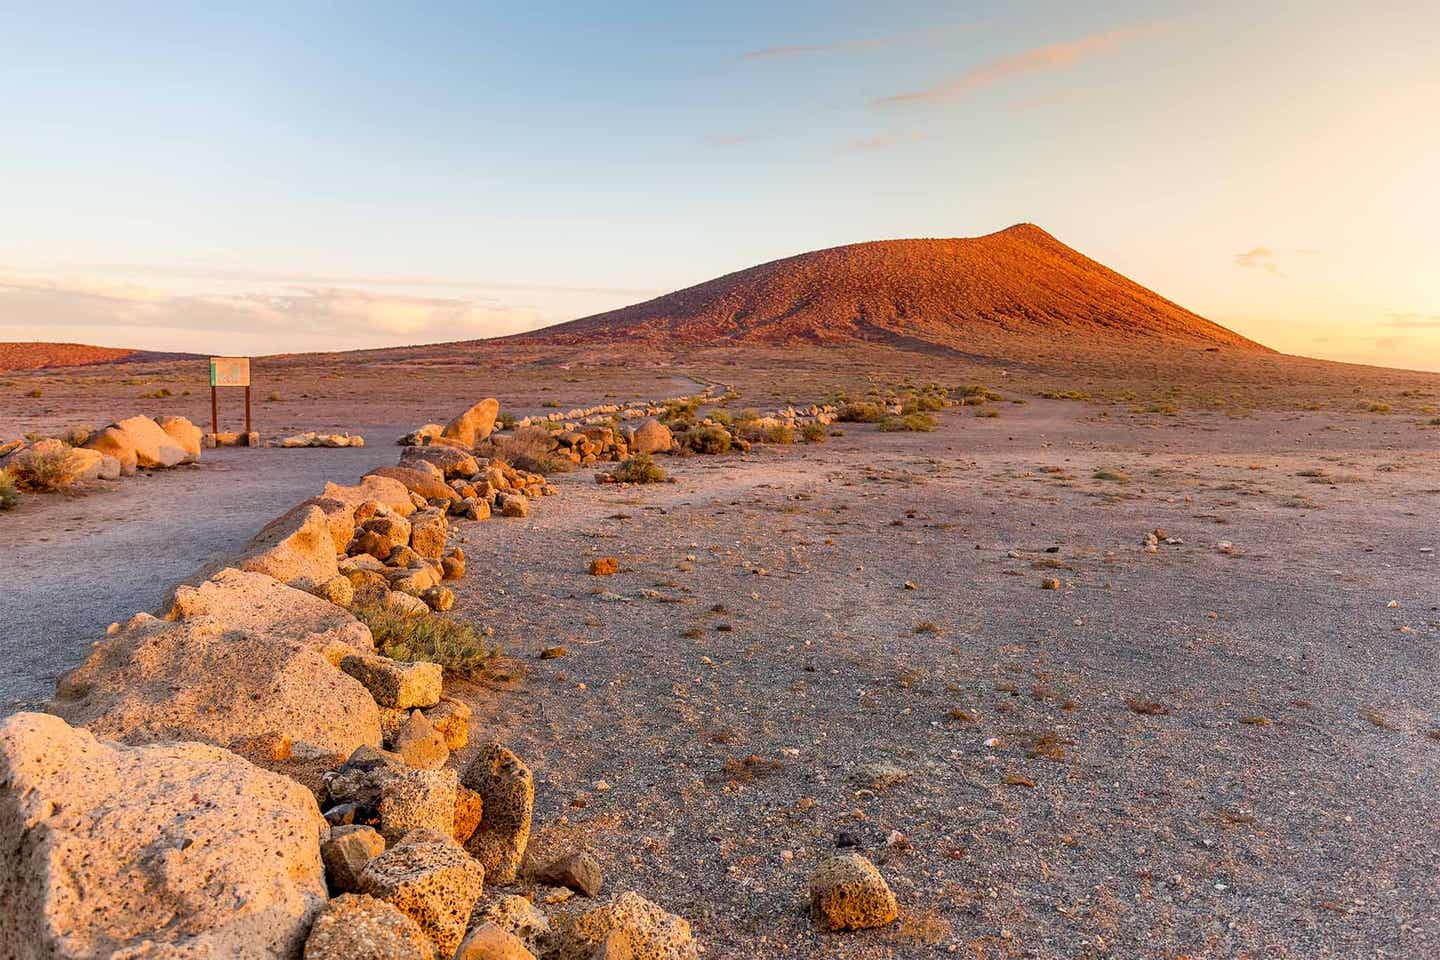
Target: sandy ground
{"x":75,"y":564}
{"x":704,"y":734}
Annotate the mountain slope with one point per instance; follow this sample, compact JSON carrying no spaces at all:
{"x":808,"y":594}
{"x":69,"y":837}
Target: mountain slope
{"x":1019,"y":283}
{"x":36,"y":355}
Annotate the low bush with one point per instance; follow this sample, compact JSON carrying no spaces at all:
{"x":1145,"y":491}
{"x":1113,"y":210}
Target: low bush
{"x":457,"y":645}
{"x":708,"y":438}
{"x":777,"y":433}
{"x":814,"y":433}
{"x":862,"y":412}
{"x":640,"y":468}
{"x":911,"y":422}
{"x":46,"y":471}
{"x":9,"y":490}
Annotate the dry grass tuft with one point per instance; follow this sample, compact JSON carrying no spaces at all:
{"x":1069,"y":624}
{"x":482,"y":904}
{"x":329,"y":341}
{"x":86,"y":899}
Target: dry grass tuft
{"x":457,"y":645}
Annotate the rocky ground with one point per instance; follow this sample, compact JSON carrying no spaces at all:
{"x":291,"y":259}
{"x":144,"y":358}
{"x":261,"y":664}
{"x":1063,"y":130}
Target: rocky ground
{"x":1204,"y":750}
{"x":1143,"y":678}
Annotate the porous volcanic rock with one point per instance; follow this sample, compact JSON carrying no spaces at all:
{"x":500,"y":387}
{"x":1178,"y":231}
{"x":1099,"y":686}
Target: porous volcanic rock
{"x":297,"y":549}
{"x":475,"y":424}
{"x":507,"y":789}
{"x":427,"y":877}
{"x":153,"y":446}
{"x":238,"y":656}
{"x":115,"y":442}
{"x":184,"y":433}
{"x":653,"y":933}
{"x":360,"y":927}
{"x":173,"y":850}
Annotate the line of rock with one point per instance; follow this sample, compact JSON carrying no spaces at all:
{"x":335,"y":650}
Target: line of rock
{"x":245,"y":775}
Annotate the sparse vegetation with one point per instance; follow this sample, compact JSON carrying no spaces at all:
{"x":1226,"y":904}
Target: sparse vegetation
{"x":36,"y":392}
{"x":1111,"y":474}
{"x":813,"y":432}
{"x":640,"y":468}
{"x":457,"y":645}
{"x":862,"y":412}
{"x":164,"y":392}
{"x":46,"y":471}
{"x":910,"y":422}
{"x":707,"y":438}
{"x":9,"y":490}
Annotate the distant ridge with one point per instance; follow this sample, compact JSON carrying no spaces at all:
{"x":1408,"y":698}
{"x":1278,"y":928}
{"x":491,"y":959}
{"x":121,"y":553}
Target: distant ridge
{"x":39,"y":356}
{"x":1018,"y":284}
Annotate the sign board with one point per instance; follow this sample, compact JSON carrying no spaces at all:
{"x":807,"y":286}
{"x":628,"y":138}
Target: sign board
{"x":229,"y":371}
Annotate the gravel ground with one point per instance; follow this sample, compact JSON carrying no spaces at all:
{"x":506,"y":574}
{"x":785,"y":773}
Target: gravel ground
{"x":1196,"y":752}
{"x":75,"y":564}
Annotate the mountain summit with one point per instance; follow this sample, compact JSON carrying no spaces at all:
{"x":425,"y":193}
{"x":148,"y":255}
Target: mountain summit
{"x":1018,"y":284}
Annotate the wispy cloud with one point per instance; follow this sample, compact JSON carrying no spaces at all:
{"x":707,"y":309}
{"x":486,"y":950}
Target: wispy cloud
{"x":348,"y":315}
{"x":1034,"y":60}
{"x":204,"y":272}
{"x":1414,"y":321}
{"x":882,"y":141}
{"x":1259,"y":258}
{"x":733,"y":139}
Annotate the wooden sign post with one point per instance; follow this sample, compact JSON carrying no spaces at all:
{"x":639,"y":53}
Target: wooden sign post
{"x":228,"y":372}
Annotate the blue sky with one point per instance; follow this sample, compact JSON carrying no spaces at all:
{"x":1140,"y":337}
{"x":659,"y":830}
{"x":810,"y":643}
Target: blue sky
{"x":258,"y":177}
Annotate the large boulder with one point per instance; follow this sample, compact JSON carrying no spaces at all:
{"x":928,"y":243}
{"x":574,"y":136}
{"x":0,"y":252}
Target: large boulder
{"x":386,"y":490}
{"x":297,"y":549}
{"x":475,"y":424}
{"x":184,"y":433}
{"x":427,"y":877}
{"x":171,"y":850}
{"x":507,"y":790}
{"x":116,"y":443}
{"x":430,"y":485}
{"x":847,"y":892}
{"x":357,"y":927}
{"x":452,"y":461}
{"x":650,"y":436}
{"x":653,"y":934}
{"x":153,"y":446}
{"x":239,"y":656}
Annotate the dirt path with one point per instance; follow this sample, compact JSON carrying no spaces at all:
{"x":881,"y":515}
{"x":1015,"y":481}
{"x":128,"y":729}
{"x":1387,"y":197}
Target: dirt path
{"x":73,"y":565}
{"x":707,"y":731}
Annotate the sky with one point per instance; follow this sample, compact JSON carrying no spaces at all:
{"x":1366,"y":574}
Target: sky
{"x":265,"y":177}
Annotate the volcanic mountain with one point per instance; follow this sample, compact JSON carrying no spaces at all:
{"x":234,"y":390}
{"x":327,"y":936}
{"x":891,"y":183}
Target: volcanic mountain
{"x":1017,"y":284}
{"x":36,"y":355}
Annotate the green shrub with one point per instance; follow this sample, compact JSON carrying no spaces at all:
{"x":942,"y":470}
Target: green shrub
{"x":862,"y":412}
{"x":722,"y":416}
{"x":1111,"y":474}
{"x":813,"y":432}
{"x":678,"y":412}
{"x":913,"y":422}
{"x":708,"y":438}
{"x":507,"y":421}
{"x":46,"y":472}
{"x":164,"y":392}
{"x":457,"y":645}
{"x":9,"y":490}
{"x":640,"y":468}
{"x":777,"y":433}
{"x":1065,"y":395}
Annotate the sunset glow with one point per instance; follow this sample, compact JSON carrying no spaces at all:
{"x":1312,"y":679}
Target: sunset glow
{"x":280,"y":179}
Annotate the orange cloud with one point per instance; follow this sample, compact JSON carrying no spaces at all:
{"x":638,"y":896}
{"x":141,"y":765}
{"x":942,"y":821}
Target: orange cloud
{"x":1030,"y":61}
{"x":1259,"y":258}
